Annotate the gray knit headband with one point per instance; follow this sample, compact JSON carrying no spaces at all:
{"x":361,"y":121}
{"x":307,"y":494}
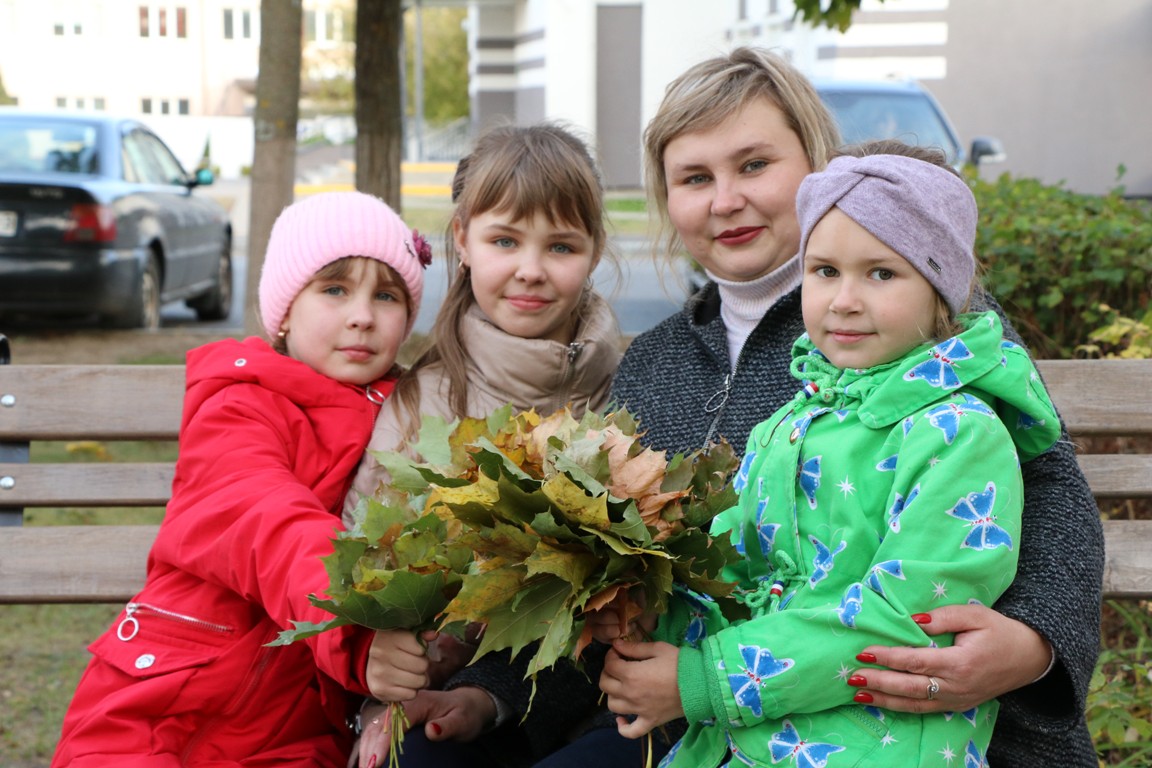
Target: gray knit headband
{"x":923,"y":212}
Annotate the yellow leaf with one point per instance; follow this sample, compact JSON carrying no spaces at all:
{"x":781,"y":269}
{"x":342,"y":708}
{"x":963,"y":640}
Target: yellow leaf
{"x":573,"y":503}
{"x":482,"y":593}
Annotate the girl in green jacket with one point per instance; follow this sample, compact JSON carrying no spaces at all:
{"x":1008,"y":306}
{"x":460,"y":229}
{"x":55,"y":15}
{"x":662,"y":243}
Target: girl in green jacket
{"x":891,"y":480}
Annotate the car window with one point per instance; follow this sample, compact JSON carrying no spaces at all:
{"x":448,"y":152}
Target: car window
{"x":47,"y":145}
{"x":910,"y":117}
{"x":169,"y":167}
{"x":149,"y":165}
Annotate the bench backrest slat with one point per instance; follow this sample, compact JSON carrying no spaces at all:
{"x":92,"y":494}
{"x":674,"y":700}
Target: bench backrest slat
{"x":90,"y":402}
{"x":1100,"y":397}
{"x":88,"y":485}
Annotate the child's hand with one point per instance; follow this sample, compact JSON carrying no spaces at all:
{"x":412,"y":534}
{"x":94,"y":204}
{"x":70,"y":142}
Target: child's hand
{"x":640,"y":680}
{"x":623,"y":617}
{"x":398,"y":664}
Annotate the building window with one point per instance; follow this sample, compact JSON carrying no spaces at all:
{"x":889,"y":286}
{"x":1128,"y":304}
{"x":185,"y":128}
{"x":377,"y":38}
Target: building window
{"x":246,"y":24}
{"x":146,"y":106}
{"x":182,"y":106}
{"x":162,"y":22}
{"x":61,"y":102}
{"x":59,"y":30}
{"x":181,"y":22}
{"x":80,"y":102}
{"x":144,"y":21}
{"x":163,"y":106}
{"x":228,"y":24}
{"x":98,"y":103}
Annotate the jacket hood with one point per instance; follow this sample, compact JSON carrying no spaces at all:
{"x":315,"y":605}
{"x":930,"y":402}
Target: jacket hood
{"x":977,"y":361}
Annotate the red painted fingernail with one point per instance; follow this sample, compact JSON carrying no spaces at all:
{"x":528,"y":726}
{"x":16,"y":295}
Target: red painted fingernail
{"x":866,"y":658}
{"x":436,"y":729}
{"x":858,"y":681}
{"x":372,"y":761}
{"x":862,"y":697}
{"x":922,"y":618}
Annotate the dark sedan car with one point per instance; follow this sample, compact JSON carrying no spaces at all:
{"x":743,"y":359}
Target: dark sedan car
{"x":98,"y":218}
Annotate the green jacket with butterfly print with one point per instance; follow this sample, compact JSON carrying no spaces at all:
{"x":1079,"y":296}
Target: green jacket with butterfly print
{"x":872,"y":494}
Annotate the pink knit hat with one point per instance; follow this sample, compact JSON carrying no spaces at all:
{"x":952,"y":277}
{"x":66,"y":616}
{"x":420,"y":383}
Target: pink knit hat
{"x":320,"y":229}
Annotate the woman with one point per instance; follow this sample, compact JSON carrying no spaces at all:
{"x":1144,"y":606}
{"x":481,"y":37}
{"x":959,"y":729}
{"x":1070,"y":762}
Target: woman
{"x":726,"y":152}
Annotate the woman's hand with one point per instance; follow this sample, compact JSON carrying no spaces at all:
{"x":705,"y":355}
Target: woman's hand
{"x":447,"y":656}
{"x":398,"y":664}
{"x":461,"y":714}
{"x":640,"y":680}
{"x":992,"y":655}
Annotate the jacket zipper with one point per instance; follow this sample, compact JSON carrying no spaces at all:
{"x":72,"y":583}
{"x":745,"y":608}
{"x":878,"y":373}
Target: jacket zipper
{"x":574,"y":350}
{"x":129,"y":626}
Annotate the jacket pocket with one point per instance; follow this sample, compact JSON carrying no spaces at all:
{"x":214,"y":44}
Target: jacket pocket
{"x":150,"y":640}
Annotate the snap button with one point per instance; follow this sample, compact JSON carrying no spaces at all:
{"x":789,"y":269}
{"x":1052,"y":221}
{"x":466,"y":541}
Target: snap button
{"x":241,"y":362}
{"x":145,"y":660}
{"x":795,"y":435}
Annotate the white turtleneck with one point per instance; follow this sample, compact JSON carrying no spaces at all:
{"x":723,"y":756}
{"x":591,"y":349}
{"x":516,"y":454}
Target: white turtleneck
{"x":743,"y":304}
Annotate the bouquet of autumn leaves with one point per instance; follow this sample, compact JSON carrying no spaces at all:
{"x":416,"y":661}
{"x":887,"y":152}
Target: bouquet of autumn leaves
{"x":524,"y":524}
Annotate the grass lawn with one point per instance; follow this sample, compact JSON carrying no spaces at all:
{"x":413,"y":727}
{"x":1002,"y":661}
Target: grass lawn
{"x":43,"y":648}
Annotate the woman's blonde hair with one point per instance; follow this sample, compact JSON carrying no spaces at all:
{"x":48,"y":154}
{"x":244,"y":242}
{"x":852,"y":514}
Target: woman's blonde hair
{"x":520,"y":171}
{"x":713,"y":90}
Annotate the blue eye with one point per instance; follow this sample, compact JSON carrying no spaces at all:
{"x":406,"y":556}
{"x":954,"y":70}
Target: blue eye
{"x":504,"y":242}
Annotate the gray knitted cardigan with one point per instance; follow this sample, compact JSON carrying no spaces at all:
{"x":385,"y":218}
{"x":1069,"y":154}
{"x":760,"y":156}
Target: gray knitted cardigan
{"x":678,"y":380}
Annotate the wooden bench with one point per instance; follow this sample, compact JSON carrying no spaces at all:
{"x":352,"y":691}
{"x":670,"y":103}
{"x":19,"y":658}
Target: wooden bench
{"x":105,"y":563}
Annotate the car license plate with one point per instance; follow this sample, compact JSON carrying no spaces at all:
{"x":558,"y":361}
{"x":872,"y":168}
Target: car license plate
{"x":8,"y":223}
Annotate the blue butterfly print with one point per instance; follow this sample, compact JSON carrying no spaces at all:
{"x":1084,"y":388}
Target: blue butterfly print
{"x":938,"y":371}
{"x":850,"y":606}
{"x":968,"y":714}
{"x":899,"y":504}
{"x":976,"y":509}
{"x":740,"y":482}
{"x":972,"y":757}
{"x":787,"y":743}
{"x":907,"y":425}
{"x":809,"y":477}
{"x":947,"y":417}
{"x":1025,"y":422}
{"x":888,"y":465}
{"x":876,"y":712}
{"x":766,"y":531}
{"x":823,"y":561}
{"x":891,"y":567}
{"x":759,"y":665}
{"x":668,"y":758}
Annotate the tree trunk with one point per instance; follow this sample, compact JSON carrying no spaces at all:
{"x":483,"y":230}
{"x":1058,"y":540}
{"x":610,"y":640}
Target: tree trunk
{"x":379,"y":111}
{"x":274,"y":159}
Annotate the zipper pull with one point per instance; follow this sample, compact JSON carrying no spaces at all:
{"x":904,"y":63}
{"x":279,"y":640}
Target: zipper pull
{"x":574,"y":350}
{"x":720,"y":399}
{"x":129,"y":626}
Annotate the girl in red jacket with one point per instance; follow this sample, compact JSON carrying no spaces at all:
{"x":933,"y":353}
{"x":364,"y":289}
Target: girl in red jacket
{"x":269,"y":438}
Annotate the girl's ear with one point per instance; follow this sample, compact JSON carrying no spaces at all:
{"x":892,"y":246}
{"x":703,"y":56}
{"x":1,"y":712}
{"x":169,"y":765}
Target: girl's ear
{"x":458,"y":236}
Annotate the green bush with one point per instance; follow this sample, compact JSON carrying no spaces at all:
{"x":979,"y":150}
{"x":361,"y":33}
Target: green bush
{"x":1052,"y":257}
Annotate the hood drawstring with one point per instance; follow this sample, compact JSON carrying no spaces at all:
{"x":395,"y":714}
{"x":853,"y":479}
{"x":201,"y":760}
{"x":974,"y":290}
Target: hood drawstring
{"x":769,"y":591}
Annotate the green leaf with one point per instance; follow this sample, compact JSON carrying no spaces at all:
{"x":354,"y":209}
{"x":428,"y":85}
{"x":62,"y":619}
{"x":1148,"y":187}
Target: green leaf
{"x":526,"y":618}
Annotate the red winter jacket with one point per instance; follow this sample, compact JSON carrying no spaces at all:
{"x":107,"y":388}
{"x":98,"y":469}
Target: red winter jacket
{"x":183,"y":677}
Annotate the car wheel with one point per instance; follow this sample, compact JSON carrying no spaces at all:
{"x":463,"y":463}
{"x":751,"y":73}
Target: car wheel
{"x":217,"y":303}
{"x":144,"y":308}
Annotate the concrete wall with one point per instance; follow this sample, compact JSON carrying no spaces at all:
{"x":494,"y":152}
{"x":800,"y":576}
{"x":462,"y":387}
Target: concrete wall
{"x":1066,"y":86}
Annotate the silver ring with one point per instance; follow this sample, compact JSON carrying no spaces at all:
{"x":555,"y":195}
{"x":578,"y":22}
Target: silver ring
{"x":933,"y":688}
